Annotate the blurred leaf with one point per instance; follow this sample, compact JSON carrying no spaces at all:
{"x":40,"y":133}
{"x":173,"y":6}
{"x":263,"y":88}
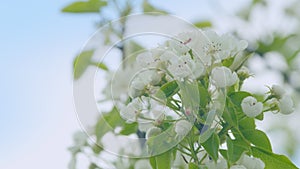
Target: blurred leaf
{"x":148,"y":8}
{"x":203,"y":24}
{"x":108,"y":122}
{"x":72,"y":163}
{"x":91,"y":6}
{"x":277,"y":44}
{"x":212,"y":146}
{"x":271,"y":160}
{"x":83,"y":61}
{"x":93,"y":166}
{"x":193,"y":166}
{"x":97,"y":149}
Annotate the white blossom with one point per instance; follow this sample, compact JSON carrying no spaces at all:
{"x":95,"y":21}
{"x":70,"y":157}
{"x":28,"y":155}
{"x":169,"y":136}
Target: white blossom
{"x":286,"y":104}
{"x":278,"y":91}
{"x":182,"y":128}
{"x":223,"y":77}
{"x":182,"y":67}
{"x":251,"y":162}
{"x":238,"y":167}
{"x":142,"y":80}
{"x":132,"y":110}
{"x":251,"y":107}
{"x":221,"y":47}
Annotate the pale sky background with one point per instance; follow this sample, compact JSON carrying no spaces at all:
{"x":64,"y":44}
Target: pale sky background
{"x":37,"y":47}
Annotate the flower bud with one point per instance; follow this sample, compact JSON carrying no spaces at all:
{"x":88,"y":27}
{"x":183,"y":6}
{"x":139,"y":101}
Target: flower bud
{"x":286,"y":105}
{"x":277,"y":91}
{"x":223,"y":77}
{"x":251,"y":107}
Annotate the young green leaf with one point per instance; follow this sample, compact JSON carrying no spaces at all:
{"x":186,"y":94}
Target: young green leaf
{"x":91,"y":6}
{"x":203,"y":24}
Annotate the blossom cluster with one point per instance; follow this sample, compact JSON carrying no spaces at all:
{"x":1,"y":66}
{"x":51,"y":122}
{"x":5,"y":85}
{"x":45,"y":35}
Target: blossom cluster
{"x":151,"y":91}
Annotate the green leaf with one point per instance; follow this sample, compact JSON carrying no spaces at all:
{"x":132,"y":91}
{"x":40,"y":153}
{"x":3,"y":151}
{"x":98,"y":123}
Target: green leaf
{"x":204,"y":96}
{"x":91,"y":6}
{"x":212,"y":146}
{"x":129,"y":128}
{"x":228,"y":62}
{"x":235,"y":149}
{"x":93,"y":166}
{"x":258,"y":138}
{"x":152,"y":161}
{"x":237,"y":97}
{"x":224,"y":153}
{"x":247,"y":124}
{"x":97,"y":149}
{"x":203,"y":24}
{"x":273,"y":161}
{"x":167,"y":90}
{"x":164,"y":161}
{"x":193,"y":166}
{"x":81,"y":62}
{"x":148,"y":8}
{"x":108,"y":122}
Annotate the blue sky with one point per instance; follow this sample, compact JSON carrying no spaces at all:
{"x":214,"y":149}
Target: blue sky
{"x":37,"y":47}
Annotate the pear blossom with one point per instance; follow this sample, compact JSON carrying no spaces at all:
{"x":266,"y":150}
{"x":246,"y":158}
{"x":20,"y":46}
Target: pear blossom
{"x":132,"y":110}
{"x":251,"y":162}
{"x":182,"y":67}
{"x":277,"y":91}
{"x":221,"y":47}
{"x":145,"y":59}
{"x":286,"y":104}
{"x":141,"y":80}
{"x":223,"y":77}
{"x":251,"y":107}
{"x":182,"y":128}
